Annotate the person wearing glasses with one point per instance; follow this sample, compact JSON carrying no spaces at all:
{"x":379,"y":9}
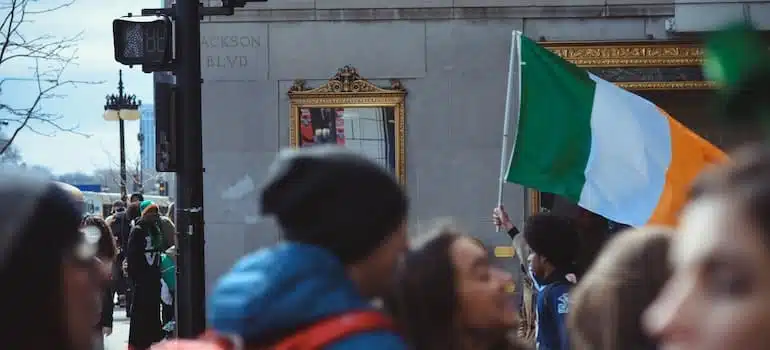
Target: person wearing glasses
{"x":48,"y":266}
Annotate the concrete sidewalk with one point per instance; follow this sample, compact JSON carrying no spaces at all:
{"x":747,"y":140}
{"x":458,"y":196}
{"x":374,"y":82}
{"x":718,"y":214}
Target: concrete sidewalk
{"x":119,"y":338}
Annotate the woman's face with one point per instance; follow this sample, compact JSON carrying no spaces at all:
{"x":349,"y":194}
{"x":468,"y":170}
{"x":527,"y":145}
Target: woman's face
{"x":481,"y":288}
{"x":82,"y":282}
{"x":719,"y":294}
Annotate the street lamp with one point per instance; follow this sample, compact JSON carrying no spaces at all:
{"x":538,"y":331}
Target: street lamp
{"x":122,"y":107}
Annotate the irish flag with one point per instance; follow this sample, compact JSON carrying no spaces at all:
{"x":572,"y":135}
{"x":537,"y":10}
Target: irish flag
{"x":612,"y":152}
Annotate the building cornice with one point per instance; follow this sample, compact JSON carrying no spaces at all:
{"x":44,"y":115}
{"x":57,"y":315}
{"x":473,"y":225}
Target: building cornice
{"x":445,"y":13}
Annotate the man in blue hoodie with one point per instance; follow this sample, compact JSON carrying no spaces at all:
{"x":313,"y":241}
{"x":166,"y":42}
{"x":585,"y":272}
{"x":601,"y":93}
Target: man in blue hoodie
{"x":343,"y":221}
{"x":554,"y":243}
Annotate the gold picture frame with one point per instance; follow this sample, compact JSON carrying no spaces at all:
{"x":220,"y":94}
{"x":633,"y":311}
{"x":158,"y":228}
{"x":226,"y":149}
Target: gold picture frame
{"x":636,"y":54}
{"x":347,"y":89}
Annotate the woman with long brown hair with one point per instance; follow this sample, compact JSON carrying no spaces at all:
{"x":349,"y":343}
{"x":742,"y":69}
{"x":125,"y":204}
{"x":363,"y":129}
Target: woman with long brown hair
{"x":448,"y":295}
{"x":47,"y":267}
{"x":607,"y":304}
{"x":106,"y":251}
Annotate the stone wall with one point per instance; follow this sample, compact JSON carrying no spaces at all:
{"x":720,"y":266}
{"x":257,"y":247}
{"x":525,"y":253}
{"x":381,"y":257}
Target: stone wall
{"x":452,"y":57}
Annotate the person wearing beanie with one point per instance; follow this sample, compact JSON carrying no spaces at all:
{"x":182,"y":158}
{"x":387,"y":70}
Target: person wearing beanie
{"x":47,"y":268}
{"x":136,"y":197}
{"x":143,"y":255}
{"x":343,"y":222}
{"x":553,"y":241}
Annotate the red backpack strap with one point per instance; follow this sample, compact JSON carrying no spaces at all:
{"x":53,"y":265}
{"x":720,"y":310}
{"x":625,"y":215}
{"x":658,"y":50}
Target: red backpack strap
{"x":327,"y":331}
{"x":221,"y":341}
{"x":207,"y":341}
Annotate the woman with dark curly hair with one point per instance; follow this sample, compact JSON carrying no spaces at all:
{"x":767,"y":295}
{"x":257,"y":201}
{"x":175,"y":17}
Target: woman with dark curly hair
{"x":105,"y":256}
{"x":449,"y":296}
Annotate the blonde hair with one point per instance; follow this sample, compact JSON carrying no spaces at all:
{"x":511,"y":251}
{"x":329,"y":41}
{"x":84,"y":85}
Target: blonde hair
{"x":607,"y":304}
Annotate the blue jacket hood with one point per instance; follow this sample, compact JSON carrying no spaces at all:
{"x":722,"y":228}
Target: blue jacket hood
{"x":284,"y":287}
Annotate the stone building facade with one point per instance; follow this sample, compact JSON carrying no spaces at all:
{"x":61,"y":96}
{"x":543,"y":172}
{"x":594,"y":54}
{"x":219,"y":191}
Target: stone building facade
{"x":452,"y":58}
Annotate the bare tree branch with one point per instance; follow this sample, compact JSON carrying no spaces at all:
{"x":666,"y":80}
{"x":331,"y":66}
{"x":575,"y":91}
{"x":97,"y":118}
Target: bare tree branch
{"x":133,"y":171}
{"x":49,"y":57}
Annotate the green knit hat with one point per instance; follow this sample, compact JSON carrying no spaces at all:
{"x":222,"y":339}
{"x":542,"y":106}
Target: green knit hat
{"x":737,"y":60}
{"x":144,"y":205}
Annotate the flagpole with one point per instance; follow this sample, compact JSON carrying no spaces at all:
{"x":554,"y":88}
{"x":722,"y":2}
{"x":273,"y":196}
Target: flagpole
{"x":514,"y":57}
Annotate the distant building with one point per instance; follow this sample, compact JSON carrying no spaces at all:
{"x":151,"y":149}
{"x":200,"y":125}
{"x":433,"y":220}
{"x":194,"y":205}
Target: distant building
{"x":152,"y":181}
{"x":147,"y":137}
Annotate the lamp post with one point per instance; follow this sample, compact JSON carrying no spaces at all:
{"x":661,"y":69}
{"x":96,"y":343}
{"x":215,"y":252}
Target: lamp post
{"x":122,"y":107}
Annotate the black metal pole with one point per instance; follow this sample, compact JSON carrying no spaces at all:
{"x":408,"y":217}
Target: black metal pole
{"x":123,"y":175}
{"x":191,"y":319}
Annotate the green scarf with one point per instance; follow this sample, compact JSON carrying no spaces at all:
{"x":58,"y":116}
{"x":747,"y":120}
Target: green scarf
{"x":156,"y":234}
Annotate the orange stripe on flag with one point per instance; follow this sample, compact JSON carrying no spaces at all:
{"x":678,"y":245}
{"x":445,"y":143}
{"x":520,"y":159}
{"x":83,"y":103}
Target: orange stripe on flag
{"x":690,"y":155}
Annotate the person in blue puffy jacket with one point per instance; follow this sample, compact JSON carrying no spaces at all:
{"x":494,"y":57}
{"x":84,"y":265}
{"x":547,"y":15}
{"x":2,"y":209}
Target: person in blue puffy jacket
{"x":343,"y":223}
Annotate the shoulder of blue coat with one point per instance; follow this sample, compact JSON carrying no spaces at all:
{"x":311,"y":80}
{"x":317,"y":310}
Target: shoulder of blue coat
{"x":560,"y":297}
{"x":378,"y":340}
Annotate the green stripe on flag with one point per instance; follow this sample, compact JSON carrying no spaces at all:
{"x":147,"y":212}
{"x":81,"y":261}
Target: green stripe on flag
{"x":554,"y":127}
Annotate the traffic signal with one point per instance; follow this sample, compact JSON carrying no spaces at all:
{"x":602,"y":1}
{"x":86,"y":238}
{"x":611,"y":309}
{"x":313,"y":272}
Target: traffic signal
{"x":145,"y":41}
{"x":166,"y":126}
{"x":163,"y":188}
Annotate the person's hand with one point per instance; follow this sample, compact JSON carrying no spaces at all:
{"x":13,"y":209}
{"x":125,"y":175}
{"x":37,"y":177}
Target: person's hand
{"x":106,"y":331}
{"x":501,"y":219}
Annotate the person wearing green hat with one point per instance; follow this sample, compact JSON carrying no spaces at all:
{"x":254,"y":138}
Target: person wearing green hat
{"x":736,"y":59}
{"x":146,"y":243}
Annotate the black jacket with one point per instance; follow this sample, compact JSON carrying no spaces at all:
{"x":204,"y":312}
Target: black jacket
{"x":107,"y":308}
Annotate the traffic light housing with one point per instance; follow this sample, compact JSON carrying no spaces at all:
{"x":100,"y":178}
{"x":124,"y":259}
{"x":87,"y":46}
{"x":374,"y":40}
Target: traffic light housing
{"x":145,"y":40}
{"x":166,"y":125}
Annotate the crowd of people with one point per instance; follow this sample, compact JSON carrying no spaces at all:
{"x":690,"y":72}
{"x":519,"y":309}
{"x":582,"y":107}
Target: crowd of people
{"x":347,"y":275}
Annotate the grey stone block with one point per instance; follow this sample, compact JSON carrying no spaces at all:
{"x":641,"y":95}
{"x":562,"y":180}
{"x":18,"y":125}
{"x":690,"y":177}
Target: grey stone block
{"x":702,"y":17}
{"x":760,"y":15}
{"x":234,"y":51}
{"x":656,"y":28}
{"x":240,"y":116}
{"x":643,"y":10}
{"x":462,"y":184}
{"x":315,"y":50}
{"x":231,"y":185}
{"x":465,"y":86}
{"x":261,"y":235}
{"x":640,"y":2}
{"x":427,"y":113}
{"x":711,"y":2}
{"x":281,"y":5}
{"x":572,"y":29}
{"x":523,"y":3}
{"x":380,"y":4}
{"x":224,"y":246}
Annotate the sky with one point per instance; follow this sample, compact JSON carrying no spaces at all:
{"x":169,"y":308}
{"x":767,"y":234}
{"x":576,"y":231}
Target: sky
{"x":82,"y":105}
